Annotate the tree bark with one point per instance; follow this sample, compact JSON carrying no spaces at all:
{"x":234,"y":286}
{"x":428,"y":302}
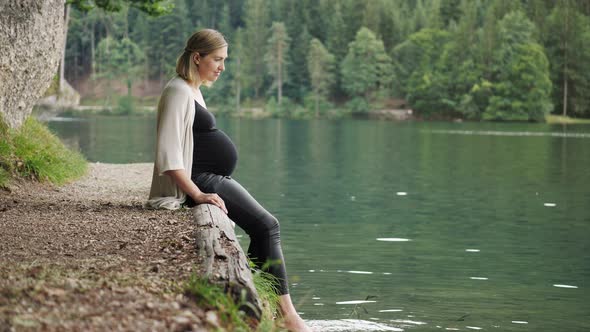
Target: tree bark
{"x":280,"y":72}
{"x":565,"y":71}
{"x":224,"y":263}
{"x":238,"y":86}
{"x":63,"y":53}
{"x":31,"y":40}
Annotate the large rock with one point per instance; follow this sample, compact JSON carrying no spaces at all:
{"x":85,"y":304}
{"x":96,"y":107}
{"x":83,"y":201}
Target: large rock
{"x":67,"y":98}
{"x":31,"y":42}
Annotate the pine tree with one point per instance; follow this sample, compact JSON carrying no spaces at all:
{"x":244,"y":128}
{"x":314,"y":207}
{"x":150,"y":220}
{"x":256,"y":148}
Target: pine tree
{"x":569,"y":53}
{"x":320,"y":64}
{"x":392,"y":27}
{"x":335,"y":43}
{"x":239,"y":77}
{"x":352,"y":12}
{"x":458,"y":70}
{"x":433,"y":17}
{"x":496,"y":10}
{"x":255,"y":37}
{"x":372,"y":15}
{"x":296,"y":17}
{"x":450,"y":11}
{"x":276,"y":56}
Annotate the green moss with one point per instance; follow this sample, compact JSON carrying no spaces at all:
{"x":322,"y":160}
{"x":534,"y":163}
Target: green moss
{"x":34,"y":152}
{"x":53,"y":88}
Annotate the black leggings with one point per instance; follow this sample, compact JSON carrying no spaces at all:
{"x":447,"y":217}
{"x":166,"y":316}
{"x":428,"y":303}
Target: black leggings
{"x":262,"y":227}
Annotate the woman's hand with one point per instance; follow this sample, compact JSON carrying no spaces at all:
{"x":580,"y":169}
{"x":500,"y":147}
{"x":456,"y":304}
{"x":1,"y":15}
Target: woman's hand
{"x":186,"y":185}
{"x":214,"y":199}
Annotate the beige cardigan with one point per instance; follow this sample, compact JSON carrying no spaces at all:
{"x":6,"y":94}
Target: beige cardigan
{"x":174,"y":143}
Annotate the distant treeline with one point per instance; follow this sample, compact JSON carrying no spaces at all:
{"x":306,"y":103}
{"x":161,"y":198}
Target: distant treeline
{"x":473,"y":59}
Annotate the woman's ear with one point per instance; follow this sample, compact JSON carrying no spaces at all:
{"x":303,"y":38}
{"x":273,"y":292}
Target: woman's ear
{"x":197,"y":58}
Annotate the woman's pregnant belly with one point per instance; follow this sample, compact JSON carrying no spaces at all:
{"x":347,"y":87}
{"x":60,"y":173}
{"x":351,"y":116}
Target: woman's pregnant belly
{"x":214,"y":152}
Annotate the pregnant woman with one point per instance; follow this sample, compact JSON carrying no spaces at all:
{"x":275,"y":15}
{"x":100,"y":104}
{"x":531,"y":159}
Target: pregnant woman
{"x":195,"y":160}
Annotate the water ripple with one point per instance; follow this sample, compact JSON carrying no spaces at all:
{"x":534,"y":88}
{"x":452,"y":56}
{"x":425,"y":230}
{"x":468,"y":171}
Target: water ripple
{"x":355,"y":302}
{"x":565,"y":286}
{"x":392,"y":239}
{"x":348,"y":325}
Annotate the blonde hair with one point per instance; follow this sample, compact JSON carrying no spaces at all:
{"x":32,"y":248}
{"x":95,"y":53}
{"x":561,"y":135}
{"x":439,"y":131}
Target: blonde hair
{"x":203,"y":42}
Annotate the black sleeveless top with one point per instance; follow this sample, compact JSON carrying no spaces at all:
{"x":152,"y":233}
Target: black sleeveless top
{"x":213,"y":150}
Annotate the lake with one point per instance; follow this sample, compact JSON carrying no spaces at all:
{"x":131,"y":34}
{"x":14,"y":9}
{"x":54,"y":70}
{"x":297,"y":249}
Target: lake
{"x":409,"y":226}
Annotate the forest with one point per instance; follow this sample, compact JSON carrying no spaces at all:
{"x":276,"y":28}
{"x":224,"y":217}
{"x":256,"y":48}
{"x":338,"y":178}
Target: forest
{"x":497,"y":60}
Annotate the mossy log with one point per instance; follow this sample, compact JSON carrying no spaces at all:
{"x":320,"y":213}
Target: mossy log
{"x":224,"y":263}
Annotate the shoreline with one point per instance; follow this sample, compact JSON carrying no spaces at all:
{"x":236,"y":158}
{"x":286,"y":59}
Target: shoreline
{"x":89,"y":256}
{"x":397,"y":115}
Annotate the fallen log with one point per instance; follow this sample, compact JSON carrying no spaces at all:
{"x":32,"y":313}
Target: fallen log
{"x":223,"y":260}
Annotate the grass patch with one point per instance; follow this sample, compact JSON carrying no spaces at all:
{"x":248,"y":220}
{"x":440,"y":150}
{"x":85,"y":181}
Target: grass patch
{"x":33,"y":152}
{"x":213,"y":297}
{"x":560,"y":119}
{"x":266,"y":286}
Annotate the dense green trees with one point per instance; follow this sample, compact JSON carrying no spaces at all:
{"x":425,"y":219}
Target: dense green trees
{"x":416,"y":75}
{"x":119,"y":58}
{"x":521,"y":85}
{"x":475,"y":59}
{"x":366,"y":70}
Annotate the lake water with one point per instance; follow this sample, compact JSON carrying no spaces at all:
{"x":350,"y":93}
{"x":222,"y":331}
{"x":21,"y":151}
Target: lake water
{"x":409,"y":226}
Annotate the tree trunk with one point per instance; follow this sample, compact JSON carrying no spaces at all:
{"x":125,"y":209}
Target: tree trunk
{"x":31,"y":40}
{"x":280,"y":74}
{"x":238,"y":86}
{"x":92,"y":48}
{"x":224,"y":262}
{"x":317,"y":104}
{"x":565,"y":71}
{"x":63,"y":52}
{"x":565,"y":91}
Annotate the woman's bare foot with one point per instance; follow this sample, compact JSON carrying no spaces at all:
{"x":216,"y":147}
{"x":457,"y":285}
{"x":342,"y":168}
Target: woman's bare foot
{"x":291,"y":318}
{"x":294,"y":323}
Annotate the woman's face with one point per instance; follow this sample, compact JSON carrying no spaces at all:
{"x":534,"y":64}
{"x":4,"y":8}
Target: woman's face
{"x":211,"y":65}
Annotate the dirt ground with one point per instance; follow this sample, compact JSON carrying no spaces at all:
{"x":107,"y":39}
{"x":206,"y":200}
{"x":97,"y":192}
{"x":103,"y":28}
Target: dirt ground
{"x":89,"y":257}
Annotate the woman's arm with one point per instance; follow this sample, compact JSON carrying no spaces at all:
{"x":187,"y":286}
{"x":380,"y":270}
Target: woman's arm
{"x":190,"y":188}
